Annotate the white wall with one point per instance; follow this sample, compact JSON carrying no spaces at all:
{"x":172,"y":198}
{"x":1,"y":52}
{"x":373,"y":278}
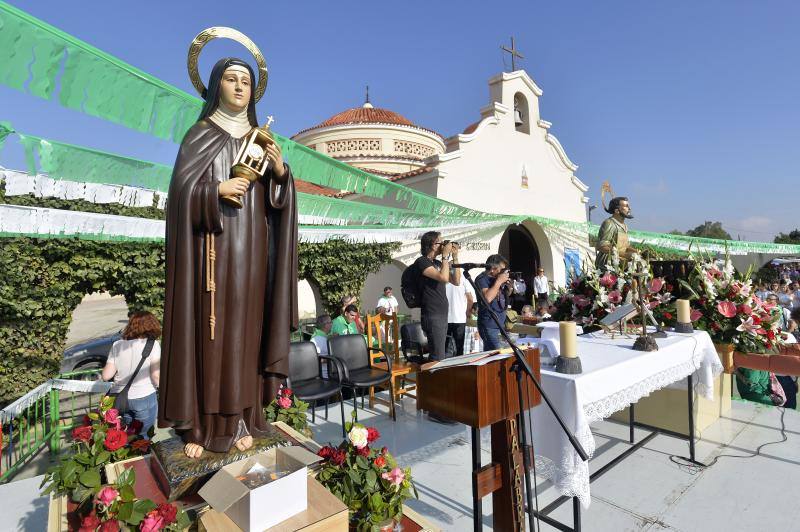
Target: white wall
{"x":308,"y":301}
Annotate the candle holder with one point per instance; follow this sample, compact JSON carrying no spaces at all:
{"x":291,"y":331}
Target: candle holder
{"x":684,"y":328}
{"x":569,"y":366}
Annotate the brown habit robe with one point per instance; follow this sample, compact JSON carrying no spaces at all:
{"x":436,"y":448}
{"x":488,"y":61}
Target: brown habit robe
{"x":208,"y":386}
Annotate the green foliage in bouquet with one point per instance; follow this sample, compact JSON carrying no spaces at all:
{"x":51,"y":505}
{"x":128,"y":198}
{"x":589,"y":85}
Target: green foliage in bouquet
{"x":366,"y":479}
{"x":288,"y":408}
{"x":115,"y":507}
{"x":100,"y":440}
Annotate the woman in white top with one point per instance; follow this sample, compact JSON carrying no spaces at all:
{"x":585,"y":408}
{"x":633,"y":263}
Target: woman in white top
{"x":122,"y":362}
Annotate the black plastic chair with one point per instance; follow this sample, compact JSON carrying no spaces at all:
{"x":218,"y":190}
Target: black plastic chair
{"x":354,"y":361}
{"x":306,"y":381}
{"x":414,"y":343}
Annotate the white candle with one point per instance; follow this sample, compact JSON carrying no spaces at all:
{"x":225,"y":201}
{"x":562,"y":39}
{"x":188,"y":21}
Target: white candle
{"x":684,"y":311}
{"x":568,"y":339}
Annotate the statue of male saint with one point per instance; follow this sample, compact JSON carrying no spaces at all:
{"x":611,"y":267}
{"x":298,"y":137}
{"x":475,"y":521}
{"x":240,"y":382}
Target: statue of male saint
{"x":613,"y":234}
{"x":213,"y":384}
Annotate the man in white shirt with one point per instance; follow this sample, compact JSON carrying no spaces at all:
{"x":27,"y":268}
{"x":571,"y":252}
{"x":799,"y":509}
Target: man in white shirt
{"x":541,"y":289}
{"x":387,"y":304}
{"x":459,"y":300}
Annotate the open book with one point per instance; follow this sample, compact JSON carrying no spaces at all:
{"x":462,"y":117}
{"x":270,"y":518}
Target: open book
{"x":473,"y":359}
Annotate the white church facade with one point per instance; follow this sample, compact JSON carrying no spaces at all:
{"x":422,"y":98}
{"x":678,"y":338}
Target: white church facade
{"x":508,"y":162}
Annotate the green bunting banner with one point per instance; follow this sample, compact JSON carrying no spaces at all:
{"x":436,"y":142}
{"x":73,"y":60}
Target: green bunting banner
{"x":33,"y":52}
{"x":77,"y":163}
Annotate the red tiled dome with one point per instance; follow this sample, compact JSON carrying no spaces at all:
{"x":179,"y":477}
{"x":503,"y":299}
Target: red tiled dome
{"x":366,"y":115}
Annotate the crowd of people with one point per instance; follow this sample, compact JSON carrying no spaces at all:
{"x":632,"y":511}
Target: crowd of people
{"x":784,"y":294}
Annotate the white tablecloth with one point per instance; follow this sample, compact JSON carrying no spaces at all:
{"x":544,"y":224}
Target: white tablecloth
{"x":614,"y":376}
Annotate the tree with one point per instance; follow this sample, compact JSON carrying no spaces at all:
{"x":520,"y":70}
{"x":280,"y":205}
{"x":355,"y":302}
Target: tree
{"x":710,"y":230}
{"x":792,"y":238}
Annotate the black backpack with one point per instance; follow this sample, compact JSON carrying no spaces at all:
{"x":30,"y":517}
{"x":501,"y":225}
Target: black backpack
{"x":411,"y":286}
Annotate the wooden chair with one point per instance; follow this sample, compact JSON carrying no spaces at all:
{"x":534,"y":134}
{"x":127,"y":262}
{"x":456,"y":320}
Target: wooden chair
{"x":380,"y":328}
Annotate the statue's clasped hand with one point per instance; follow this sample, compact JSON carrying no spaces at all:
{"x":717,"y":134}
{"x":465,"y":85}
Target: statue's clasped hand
{"x":236,"y":186}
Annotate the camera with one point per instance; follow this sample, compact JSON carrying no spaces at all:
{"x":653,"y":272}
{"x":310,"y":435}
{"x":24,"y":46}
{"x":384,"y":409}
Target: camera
{"x":445,"y":242}
{"x":515,"y":283}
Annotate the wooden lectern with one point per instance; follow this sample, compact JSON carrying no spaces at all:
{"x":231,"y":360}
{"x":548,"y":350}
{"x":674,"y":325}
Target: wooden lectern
{"x":479,"y":396}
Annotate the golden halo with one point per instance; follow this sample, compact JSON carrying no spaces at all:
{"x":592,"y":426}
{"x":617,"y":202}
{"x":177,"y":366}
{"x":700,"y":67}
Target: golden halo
{"x":221,"y":32}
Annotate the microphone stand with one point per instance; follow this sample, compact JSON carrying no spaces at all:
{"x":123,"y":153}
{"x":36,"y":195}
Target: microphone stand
{"x":519,"y":367}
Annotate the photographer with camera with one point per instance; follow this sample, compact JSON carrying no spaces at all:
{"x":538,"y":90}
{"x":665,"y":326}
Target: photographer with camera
{"x":435,"y":275}
{"x":495,"y":286}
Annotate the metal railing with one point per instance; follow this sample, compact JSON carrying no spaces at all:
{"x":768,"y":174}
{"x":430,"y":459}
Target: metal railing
{"x":40,"y":417}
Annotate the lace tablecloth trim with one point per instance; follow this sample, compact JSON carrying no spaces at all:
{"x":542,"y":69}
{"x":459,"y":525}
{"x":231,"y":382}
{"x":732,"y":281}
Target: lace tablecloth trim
{"x":613,"y":403}
{"x":571,"y":479}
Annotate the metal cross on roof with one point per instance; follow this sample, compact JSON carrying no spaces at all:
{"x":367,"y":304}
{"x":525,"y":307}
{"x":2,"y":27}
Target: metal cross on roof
{"x":514,"y":54}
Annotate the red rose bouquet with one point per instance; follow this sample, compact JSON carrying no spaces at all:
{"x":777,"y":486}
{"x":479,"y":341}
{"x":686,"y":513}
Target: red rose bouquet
{"x":365,"y":478}
{"x":115,"y":507}
{"x":99,"y":440}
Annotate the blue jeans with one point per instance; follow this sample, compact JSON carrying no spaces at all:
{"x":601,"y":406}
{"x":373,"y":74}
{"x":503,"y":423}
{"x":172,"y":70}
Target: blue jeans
{"x":143,"y":409}
{"x":490,"y":337}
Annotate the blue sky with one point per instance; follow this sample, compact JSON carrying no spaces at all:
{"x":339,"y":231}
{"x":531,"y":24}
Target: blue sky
{"x":689,"y":108}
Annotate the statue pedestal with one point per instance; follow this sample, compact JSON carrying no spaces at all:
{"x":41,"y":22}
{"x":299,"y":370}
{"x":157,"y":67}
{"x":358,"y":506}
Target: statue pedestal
{"x":179,"y":476}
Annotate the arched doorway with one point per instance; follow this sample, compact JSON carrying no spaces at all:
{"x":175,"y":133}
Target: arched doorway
{"x":519,"y":247}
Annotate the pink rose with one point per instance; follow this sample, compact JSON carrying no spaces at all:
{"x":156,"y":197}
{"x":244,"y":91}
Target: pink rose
{"x":655,"y":285}
{"x":284,"y":402}
{"x":395,"y":476}
{"x":153,"y":522}
{"x":726,"y":308}
{"x":111,"y":416}
{"x":107,"y":495}
{"x":608,"y":280}
{"x":614,"y":297}
{"x":745,"y":309}
{"x":695,"y":315}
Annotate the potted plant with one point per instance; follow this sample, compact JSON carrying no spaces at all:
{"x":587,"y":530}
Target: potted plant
{"x":366,"y":479}
{"x":288,"y":408}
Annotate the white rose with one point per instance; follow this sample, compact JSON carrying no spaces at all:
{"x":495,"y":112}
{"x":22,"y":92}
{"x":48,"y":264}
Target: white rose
{"x":358,"y":437}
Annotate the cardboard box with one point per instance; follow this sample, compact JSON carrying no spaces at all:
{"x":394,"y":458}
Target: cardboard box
{"x":267,"y":505}
{"x":325,"y":513}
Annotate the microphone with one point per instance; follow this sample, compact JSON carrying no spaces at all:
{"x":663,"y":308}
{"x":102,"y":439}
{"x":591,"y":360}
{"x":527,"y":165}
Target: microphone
{"x":469,"y":265}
